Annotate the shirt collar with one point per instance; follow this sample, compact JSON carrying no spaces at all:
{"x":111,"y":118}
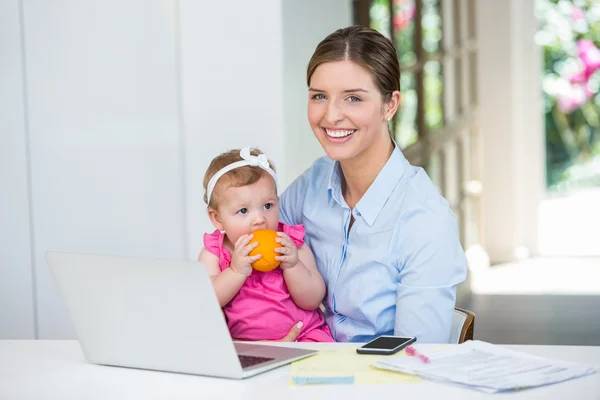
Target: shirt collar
{"x":334,"y":187}
{"x":372,"y":202}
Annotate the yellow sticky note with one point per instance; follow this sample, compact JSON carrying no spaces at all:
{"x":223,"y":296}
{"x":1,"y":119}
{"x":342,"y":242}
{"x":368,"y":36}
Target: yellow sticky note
{"x":341,"y":364}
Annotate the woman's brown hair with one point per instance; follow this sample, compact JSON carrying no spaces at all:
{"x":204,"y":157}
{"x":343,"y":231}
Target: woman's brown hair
{"x":365,"y":47}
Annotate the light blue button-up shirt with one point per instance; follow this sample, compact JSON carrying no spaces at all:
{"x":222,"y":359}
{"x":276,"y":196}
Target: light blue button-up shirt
{"x":396,"y":270}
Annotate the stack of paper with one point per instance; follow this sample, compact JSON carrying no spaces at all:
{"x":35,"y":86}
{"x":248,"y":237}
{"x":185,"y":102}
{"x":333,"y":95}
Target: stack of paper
{"x":486,"y":367}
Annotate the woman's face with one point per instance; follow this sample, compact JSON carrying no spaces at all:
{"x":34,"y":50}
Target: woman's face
{"x":345,"y":110}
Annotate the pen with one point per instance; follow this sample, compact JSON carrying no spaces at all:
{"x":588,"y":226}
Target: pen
{"x":411,"y":351}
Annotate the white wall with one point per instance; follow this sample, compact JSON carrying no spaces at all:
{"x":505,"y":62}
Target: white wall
{"x":16,"y":281}
{"x":305,"y":24}
{"x":115,"y":114}
{"x":104,"y":135}
{"x":252,"y":89}
{"x":232,"y":87}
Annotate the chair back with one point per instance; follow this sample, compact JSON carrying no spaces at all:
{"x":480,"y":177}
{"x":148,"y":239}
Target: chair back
{"x":463,"y":324}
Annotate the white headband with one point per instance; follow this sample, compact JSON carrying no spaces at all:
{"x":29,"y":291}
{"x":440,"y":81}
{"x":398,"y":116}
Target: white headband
{"x":260,"y":161}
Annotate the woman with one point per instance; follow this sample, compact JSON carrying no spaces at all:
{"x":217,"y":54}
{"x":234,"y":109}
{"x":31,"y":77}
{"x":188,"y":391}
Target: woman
{"x":385,"y":241}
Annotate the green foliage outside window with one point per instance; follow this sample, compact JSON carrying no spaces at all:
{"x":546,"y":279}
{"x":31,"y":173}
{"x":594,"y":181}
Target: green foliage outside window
{"x":569,"y":36}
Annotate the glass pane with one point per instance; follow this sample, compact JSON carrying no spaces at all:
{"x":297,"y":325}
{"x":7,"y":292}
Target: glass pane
{"x":433,"y":86}
{"x":460,"y":85}
{"x":406,"y":117}
{"x":569,"y":37}
{"x":380,"y":17}
{"x":471,"y":12}
{"x":404,"y":31}
{"x":457,"y":20}
{"x":473,"y":79}
{"x":432,"y":26}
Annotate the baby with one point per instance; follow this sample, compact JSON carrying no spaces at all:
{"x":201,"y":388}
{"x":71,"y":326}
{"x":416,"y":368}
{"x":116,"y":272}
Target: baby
{"x":241,"y":194}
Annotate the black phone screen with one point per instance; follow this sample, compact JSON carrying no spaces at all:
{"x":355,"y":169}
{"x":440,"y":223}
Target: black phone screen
{"x":386,"y":343}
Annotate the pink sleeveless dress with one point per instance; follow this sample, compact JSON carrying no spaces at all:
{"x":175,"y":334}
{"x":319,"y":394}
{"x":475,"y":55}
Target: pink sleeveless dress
{"x":263,"y":309}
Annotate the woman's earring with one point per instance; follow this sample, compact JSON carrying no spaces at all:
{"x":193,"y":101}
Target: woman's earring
{"x":389,"y":119}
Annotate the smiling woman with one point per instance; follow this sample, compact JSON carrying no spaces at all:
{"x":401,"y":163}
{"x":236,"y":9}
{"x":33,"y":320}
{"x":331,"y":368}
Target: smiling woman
{"x":384,"y":239}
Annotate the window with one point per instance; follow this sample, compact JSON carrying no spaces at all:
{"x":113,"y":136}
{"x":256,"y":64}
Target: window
{"x":569,"y":36}
{"x":436,"y":124}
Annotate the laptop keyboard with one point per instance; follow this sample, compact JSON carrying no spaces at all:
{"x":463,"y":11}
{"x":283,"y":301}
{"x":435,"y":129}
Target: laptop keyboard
{"x":249,"y":361}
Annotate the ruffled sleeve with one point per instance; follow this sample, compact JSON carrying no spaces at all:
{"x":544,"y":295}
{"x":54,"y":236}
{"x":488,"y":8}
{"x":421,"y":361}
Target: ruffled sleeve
{"x":295,"y":232}
{"x":213,"y":242}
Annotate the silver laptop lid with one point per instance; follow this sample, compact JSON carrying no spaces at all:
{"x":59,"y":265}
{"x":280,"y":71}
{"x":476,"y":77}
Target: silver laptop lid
{"x":152,"y":314}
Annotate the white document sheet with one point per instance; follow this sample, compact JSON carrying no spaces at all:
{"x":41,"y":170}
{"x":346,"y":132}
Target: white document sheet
{"x":487,"y":367}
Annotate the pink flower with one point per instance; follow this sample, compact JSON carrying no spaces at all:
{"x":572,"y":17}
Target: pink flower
{"x":572,"y":99}
{"x":589,"y":54}
{"x":404,"y":16}
{"x":580,"y":77}
{"x":590,"y":58}
{"x":577,"y":14}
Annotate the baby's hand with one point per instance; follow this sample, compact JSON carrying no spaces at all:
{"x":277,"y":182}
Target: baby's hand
{"x":241,"y":262}
{"x":289,"y":251}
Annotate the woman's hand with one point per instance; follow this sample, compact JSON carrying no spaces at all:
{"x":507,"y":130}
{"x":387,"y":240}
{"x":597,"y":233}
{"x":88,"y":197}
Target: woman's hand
{"x":293,"y":333}
{"x":241,"y":262}
{"x":289,"y":251}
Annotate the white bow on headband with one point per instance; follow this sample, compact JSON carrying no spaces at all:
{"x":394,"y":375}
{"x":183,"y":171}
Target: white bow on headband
{"x":248,"y":160}
{"x":256,"y":161}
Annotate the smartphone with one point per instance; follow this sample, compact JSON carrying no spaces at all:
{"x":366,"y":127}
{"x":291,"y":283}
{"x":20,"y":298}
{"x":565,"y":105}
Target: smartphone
{"x":386,"y":345}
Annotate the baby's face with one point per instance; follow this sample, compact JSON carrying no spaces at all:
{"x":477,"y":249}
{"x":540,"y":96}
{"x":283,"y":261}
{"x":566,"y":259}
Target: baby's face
{"x":244,"y":209}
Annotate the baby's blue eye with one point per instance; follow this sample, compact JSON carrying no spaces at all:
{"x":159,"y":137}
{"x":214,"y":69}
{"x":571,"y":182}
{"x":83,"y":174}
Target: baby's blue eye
{"x":243,"y":211}
{"x":268,"y":206}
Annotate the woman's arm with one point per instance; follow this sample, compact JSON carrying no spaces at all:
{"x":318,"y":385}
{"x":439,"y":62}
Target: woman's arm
{"x":226,"y":283}
{"x":304,"y":281}
{"x":433,"y":266}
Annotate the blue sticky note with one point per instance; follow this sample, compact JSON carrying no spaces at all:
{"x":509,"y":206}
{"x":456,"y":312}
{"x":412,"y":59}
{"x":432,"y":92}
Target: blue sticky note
{"x":323,"y":380}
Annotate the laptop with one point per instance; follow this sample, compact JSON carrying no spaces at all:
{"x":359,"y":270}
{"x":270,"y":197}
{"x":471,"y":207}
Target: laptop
{"x":158,"y":315}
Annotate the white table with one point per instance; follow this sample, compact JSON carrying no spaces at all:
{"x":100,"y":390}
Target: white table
{"x":58,"y":370}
